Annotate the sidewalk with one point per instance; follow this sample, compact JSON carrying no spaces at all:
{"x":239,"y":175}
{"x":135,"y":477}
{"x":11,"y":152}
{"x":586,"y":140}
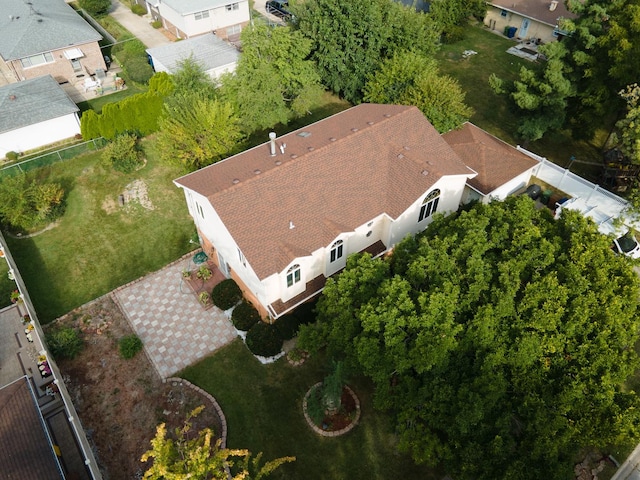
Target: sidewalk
{"x":630,"y":469}
{"x":138,"y":26}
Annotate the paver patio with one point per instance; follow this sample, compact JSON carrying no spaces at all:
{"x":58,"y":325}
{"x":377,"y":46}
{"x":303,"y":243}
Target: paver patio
{"x":174,"y":327}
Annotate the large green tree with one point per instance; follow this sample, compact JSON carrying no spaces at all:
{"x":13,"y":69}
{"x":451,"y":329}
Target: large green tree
{"x":196,"y":131}
{"x":500,"y":339}
{"x":351,"y":37}
{"x":452,"y":15}
{"x":274,"y":81}
{"x":409,"y":78}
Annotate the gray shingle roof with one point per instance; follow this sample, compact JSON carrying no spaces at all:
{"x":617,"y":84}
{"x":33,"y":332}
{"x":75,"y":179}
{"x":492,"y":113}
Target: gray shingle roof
{"x":37,"y":26}
{"x":33,"y":101}
{"x":26,"y":451}
{"x":186,"y":7}
{"x":208,"y":50}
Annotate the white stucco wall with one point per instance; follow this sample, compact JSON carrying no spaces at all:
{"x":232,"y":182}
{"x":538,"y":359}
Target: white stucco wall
{"x":211,"y":226}
{"x":39,"y":134}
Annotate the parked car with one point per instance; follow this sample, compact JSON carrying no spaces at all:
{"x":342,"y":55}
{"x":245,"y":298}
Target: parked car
{"x":278,"y":8}
{"x":627,"y":245}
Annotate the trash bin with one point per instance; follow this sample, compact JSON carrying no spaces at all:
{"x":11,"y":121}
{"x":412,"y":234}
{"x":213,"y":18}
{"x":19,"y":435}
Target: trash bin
{"x":511,"y":32}
{"x":546,"y":195}
{"x":100,"y":73}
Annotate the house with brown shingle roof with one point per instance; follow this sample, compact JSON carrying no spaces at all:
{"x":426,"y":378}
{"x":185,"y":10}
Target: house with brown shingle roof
{"x":283,"y":216}
{"x":539,"y":19}
{"x":501,"y":168}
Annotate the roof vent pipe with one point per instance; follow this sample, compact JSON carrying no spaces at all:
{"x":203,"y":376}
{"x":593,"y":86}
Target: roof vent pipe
{"x":272,"y":140}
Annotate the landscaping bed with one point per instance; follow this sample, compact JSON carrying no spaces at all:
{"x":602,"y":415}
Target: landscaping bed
{"x":120,"y":402}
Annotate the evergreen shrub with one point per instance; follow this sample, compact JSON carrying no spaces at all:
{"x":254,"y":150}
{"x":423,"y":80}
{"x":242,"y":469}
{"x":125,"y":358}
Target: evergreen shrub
{"x":264,"y":340}
{"x":129,"y":346}
{"x":64,"y":342}
{"x":245,"y":316}
{"x":288,"y":325}
{"x":226,"y":294}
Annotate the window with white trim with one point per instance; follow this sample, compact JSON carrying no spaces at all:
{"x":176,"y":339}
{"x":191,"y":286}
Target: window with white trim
{"x":241,"y":258}
{"x":429,"y":205}
{"x":234,"y":30}
{"x":336,"y":251}
{"x":201,"y":15}
{"x":200,"y":211}
{"x":503,"y":13}
{"x":293,"y":275}
{"x":232,"y":6}
{"x":35,"y":60}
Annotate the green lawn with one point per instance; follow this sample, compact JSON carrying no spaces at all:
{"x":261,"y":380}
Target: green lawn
{"x":97,"y":245}
{"x":493,"y":112}
{"x":263,"y":408}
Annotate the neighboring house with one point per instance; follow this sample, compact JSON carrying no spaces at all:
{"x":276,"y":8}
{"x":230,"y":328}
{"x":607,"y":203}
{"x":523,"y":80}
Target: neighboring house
{"x":532,"y":19}
{"x":188,"y":18}
{"x":27,"y":448}
{"x":214,"y":55}
{"x":501,"y":168}
{"x":283,"y":216}
{"x":35,"y":112}
{"x":47,"y":37}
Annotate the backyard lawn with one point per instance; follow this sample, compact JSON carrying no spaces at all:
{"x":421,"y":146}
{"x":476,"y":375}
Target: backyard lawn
{"x":98,"y":245}
{"x":493,"y":112}
{"x":263,"y":408}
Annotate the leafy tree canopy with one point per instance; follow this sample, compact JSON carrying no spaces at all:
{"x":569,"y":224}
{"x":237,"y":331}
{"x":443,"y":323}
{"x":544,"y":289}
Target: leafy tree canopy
{"x":409,"y":78}
{"x":351,"y":37}
{"x":499,"y":338}
{"x":199,"y":457}
{"x":274,"y":80}
{"x":196,"y":131}
{"x":452,"y":15}
{"x":95,"y":8}
{"x":191,"y":77}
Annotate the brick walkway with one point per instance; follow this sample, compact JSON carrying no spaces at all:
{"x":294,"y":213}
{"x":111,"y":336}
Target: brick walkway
{"x":174,"y":328}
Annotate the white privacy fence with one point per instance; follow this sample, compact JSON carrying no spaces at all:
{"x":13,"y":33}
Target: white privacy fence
{"x":597,"y":202}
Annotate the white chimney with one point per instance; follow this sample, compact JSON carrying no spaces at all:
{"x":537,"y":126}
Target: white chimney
{"x":272,"y":139}
{"x":553,"y":5}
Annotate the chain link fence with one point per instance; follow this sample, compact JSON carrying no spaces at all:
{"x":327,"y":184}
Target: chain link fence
{"x":52,"y":157}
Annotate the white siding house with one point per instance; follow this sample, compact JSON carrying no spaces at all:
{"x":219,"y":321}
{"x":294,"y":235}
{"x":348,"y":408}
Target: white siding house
{"x":35,"y":112}
{"x":188,"y":18}
{"x":282,"y":217}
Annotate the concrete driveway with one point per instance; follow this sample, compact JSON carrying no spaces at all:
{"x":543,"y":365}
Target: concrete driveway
{"x":138,"y":26}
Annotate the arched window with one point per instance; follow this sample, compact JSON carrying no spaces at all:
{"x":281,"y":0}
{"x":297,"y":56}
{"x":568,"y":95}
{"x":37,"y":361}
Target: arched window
{"x":293,"y":275}
{"x":429,"y":205}
{"x":336,"y":251}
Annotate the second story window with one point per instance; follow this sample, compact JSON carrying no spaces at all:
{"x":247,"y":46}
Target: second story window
{"x":34,"y":60}
{"x":201,"y":15}
{"x":429,"y":205}
{"x":232,"y":6}
{"x":293,"y":275}
{"x":336,"y":251}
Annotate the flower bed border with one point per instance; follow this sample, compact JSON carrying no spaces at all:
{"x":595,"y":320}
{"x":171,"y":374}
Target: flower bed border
{"x":336,"y":433}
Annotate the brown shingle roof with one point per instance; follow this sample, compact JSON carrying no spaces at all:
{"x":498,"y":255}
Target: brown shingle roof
{"x":25,"y":451}
{"x":536,"y":9}
{"x":495,"y":161}
{"x":334,"y":176}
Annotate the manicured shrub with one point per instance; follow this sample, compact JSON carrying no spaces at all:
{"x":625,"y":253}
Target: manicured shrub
{"x":138,"y":69}
{"x":156,"y":23}
{"x":11,"y":156}
{"x":306,"y":312}
{"x":288,"y":325}
{"x":226,"y":294}
{"x":129,"y":346}
{"x":122,"y":154}
{"x":64,"y":342}
{"x":264,"y":340}
{"x":138,"y":9}
{"x":245,"y":316}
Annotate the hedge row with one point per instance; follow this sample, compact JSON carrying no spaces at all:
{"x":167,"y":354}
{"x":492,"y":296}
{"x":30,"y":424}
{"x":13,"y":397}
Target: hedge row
{"x":138,"y":113}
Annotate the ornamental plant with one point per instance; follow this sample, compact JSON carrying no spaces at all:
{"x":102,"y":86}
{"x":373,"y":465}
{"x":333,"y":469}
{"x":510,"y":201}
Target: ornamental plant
{"x":226,"y":294}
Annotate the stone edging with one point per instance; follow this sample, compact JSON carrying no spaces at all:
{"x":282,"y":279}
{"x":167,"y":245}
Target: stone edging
{"x":337,"y":433}
{"x":208,"y":396}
